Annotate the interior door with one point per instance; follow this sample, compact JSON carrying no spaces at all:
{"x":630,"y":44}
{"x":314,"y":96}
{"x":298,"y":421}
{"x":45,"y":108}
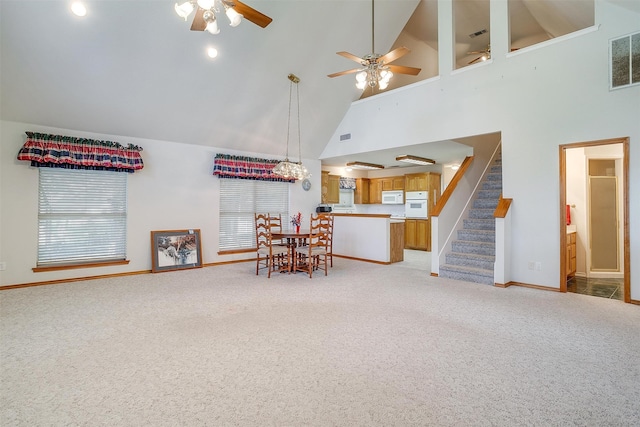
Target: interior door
{"x":603,"y":223}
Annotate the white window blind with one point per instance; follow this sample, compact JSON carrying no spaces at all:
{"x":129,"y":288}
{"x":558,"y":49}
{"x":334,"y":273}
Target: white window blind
{"x":239,"y":200}
{"x":82,"y":216}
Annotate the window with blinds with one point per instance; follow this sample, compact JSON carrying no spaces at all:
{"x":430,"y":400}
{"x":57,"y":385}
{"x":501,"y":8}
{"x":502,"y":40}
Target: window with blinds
{"x":239,"y":200}
{"x":82,"y":216}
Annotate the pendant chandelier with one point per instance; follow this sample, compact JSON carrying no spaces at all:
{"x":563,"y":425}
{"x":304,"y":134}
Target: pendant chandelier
{"x":286,"y":168}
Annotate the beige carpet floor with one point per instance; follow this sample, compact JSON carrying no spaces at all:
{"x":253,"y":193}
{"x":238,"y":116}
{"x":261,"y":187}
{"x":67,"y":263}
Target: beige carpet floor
{"x":368,"y":345}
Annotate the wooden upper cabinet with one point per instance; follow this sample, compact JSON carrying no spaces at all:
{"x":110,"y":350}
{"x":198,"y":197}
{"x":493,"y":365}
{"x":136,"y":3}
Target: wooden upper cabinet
{"x":393,"y":183}
{"x":330,"y":188}
{"x":361,"y":195}
{"x":398,"y":182}
{"x":433,"y":187}
{"x":375,"y":190}
{"x":416,"y":182}
{"x":333,"y":193}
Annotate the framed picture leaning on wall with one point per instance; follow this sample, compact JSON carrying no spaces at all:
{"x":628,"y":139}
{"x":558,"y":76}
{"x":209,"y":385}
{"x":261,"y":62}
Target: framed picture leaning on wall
{"x":175,"y":250}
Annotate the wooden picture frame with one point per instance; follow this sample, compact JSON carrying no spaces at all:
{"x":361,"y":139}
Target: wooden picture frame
{"x":175,"y":250}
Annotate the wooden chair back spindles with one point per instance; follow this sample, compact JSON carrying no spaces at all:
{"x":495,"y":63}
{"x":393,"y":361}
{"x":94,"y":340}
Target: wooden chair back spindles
{"x":314,"y":255}
{"x":268,"y":255}
{"x":327,"y":221}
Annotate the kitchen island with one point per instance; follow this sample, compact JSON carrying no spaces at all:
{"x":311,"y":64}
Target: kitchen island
{"x":368,"y":237}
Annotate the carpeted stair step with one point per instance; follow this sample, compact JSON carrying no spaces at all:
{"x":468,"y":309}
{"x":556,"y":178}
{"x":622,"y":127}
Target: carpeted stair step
{"x":494,"y":176}
{"x":485,"y":203}
{"x":496,"y":169}
{"x":481,"y":213}
{"x":479,"y":224}
{"x":489,"y":194}
{"x":470,"y":260}
{"x":471,"y":247}
{"x":492,"y":185}
{"x":477,"y":235}
{"x":468,"y":274}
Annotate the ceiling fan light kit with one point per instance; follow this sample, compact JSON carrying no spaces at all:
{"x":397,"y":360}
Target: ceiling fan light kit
{"x":207,"y":11}
{"x":416,"y":160}
{"x":364,"y":165}
{"x":376,"y":70}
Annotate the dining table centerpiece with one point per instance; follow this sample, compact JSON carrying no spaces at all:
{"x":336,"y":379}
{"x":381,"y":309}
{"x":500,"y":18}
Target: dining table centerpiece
{"x":296,"y":221}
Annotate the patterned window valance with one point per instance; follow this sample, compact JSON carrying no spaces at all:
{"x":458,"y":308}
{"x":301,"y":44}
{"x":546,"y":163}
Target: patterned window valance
{"x":56,"y":151}
{"x":228,"y":166}
{"x":347,"y":183}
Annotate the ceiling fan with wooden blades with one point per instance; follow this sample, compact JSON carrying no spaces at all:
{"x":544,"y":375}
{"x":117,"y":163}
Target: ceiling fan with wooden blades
{"x":207,"y":11}
{"x":375,"y":69}
{"x":484,"y":54}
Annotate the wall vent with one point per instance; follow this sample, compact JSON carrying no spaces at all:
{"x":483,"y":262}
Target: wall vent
{"x":345,"y":136}
{"x":477,"y":33}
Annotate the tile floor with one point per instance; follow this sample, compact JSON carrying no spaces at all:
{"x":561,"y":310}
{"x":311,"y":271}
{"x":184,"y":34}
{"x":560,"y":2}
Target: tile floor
{"x":604,"y":288}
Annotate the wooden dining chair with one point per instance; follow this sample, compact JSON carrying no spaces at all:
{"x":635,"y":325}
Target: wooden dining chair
{"x":269,"y":256}
{"x":313,"y":256}
{"x":327,"y":221}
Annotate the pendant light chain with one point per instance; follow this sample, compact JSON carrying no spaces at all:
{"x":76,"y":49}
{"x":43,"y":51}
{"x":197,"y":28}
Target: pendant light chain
{"x":299,"y":139}
{"x":289,"y":121}
{"x":286,"y":168}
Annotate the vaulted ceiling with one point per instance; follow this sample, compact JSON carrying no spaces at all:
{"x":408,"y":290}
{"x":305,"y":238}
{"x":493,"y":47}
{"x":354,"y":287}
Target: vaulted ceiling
{"x":134,"y":69}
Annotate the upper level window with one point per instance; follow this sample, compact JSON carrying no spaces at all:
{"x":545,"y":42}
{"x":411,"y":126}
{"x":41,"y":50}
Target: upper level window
{"x":472,"y":31}
{"x":624,"y":61}
{"x":536,"y":21}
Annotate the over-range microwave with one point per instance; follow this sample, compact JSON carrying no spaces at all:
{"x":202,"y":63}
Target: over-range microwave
{"x":394,"y":197}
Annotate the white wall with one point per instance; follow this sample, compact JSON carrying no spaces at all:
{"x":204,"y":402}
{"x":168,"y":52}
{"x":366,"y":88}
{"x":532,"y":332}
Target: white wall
{"x":175,"y":190}
{"x":539,"y":98}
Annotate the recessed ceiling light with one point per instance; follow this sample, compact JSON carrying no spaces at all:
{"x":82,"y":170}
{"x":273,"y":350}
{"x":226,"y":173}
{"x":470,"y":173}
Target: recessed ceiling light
{"x":78,"y":9}
{"x":455,"y":167}
{"x":212,"y":52}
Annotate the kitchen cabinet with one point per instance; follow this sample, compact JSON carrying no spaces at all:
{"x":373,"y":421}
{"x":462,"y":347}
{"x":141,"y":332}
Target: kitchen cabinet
{"x":417,"y":234}
{"x":396,"y":246}
{"x":368,"y":237}
{"x":361,"y":195}
{"x":398,"y":182}
{"x":571,"y":254}
{"x":429,"y":182}
{"x":433,"y":187}
{"x":375,"y":190}
{"x":393,"y":183}
{"x":416,"y":182}
{"x":330,"y":188}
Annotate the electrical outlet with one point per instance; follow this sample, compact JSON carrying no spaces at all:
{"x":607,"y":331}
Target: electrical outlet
{"x":3,"y":266}
{"x":538,"y":266}
{"x":531,"y":265}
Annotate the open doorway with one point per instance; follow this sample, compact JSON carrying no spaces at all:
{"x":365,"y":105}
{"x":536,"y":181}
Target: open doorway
{"x":594,"y":218}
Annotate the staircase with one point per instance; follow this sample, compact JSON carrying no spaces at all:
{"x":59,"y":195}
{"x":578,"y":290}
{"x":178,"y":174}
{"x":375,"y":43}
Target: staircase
{"x":473,"y":253}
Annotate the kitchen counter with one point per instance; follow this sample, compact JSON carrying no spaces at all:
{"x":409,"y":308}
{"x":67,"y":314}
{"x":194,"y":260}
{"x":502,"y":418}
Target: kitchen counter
{"x":369,"y":237}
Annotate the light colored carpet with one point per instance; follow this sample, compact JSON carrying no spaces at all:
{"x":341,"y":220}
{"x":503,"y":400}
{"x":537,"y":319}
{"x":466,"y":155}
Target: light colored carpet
{"x":366,"y":345}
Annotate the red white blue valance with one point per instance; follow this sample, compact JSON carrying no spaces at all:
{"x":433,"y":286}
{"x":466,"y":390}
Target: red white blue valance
{"x":241,"y":167}
{"x":57,"y":151}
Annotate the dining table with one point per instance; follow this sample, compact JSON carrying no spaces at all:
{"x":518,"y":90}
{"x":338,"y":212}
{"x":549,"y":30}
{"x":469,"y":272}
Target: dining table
{"x":294,"y":238}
